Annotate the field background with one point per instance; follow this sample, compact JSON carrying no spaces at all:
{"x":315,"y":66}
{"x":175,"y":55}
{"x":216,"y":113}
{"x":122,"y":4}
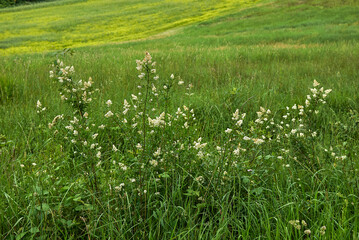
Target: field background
{"x":237,"y":54}
{"x":267,"y":53}
{"x":70,"y":23}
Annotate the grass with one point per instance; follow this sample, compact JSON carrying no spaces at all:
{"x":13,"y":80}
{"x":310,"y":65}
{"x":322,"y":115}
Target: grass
{"x":52,"y":26}
{"x":265,"y":55}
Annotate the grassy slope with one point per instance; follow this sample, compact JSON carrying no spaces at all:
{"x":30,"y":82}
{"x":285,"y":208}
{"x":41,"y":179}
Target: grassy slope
{"x":50,"y":26}
{"x":268,"y":54}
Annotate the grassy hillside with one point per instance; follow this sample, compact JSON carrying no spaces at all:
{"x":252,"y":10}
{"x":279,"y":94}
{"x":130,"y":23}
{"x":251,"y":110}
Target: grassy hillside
{"x":56,"y":25}
{"x":237,"y":57}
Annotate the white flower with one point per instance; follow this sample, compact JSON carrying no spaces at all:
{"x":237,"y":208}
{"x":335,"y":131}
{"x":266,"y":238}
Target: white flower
{"x":154,"y":163}
{"x":315,"y":83}
{"x":119,"y":188}
{"x":153,"y":70}
{"x":200,"y":154}
{"x":76,"y":132}
{"x":38,"y":104}
{"x":200,"y":179}
{"x":293,"y":131}
{"x":126,"y":104}
{"x":180,"y":82}
{"x":101,"y":126}
{"x":114,"y":148}
{"x":246,"y":138}
{"x":142,"y":75}
{"x":98,"y":155}
{"x":228,"y":130}
{"x":172,"y":76}
{"x":314,"y":91}
{"x":139,"y":146}
{"x":134,"y":97}
{"x":122,"y":166}
{"x":258,"y":141}
{"x":70,"y":127}
{"x":108,"y":114}
{"x":156,"y":77}
{"x":157,"y":153}
{"x":94,"y":136}
{"x":236,"y":115}
{"x":199,"y":145}
{"x":327,"y":91}
{"x":109,"y":102}
{"x":86,"y":115}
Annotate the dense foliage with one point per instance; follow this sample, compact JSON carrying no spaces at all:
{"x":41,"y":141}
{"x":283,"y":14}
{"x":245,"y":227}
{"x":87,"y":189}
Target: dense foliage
{"x":7,"y":3}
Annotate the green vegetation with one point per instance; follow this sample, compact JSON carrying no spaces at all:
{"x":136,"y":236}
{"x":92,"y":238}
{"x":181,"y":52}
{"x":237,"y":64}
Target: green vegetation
{"x":7,"y":3}
{"x":201,"y":184}
{"x":70,"y":23}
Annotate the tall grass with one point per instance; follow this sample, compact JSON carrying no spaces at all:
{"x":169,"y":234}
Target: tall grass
{"x":145,"y":168}
{"x":128,"y":186}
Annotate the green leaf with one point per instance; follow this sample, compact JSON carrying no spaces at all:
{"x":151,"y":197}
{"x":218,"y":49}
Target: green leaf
{"x":34,"y":230}
{"x":257,"y":190}
{"x":191,"y":192}
{"x":86,"y":207}
{"x":164,"y":175}
{"x":44,"y":207}
{"x":245,"y":179}
{"x":20,"y":236}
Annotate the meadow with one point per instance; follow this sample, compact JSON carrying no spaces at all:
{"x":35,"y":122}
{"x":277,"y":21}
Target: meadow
{"x":245,"y":127}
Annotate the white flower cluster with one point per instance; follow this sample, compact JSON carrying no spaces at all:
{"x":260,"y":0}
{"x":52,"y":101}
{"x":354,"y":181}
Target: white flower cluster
{"x":39,"y":107}
{"x":77,"y":92}
{"x":318,"y":96}
{"x":146,"y":65}
{"x":158,"y":121}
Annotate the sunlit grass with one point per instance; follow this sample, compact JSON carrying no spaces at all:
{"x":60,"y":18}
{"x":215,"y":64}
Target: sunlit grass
{"x":44,"y":26}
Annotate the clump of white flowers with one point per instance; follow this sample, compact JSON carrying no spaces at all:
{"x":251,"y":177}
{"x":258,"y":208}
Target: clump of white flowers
{"x":39,"y":108}
{"x":146,"y":140}
{"x":78,"y":93}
